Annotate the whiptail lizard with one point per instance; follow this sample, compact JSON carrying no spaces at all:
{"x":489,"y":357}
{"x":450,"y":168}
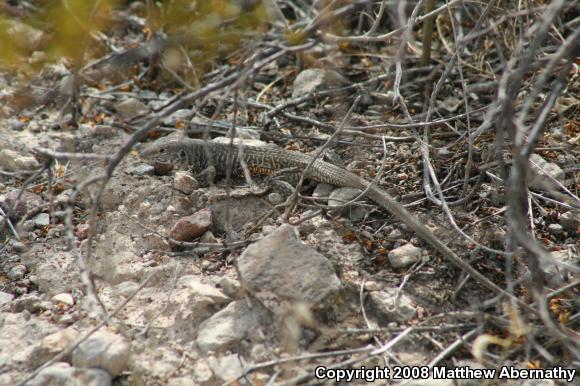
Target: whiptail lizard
{"x":186,"y":153}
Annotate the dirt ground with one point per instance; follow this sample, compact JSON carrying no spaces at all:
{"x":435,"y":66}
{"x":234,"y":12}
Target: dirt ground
{"x":114,"y":272}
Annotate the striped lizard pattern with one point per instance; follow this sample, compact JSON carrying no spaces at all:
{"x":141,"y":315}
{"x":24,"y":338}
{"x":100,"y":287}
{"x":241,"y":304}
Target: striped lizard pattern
{"x":186,"y":153}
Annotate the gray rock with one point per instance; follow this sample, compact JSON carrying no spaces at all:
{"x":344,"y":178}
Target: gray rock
{"x":281,"y":265}
{"x":543,"y":172}
{"x":62,"y":374}
{"x":103,"y":350}
{"x":229,"y":326}
{"x":538,"y":382}
{"x":28,"y":202}
{"x":387,"y":305}
{"x":179,"y":117}
{"x":131,"y":108}
{"x":405,"y":255}
{"x":141,"y":170}
{"x":16,"y":124}
{"x":323,"y":190}
{"x":570,"y":221}
{"x":102,"y":131}
{"x":555,"y":229}
{"x":17,"y":272}
{"x":12,"y":161}
{"x":241,"y":211}
{"x":316,"y":79}
{"x":5,"y":298}
{"x":275,"y":198}
{"x":41,"y":220}
{"x":338,"y":199}
{"x":126,"y":288}
{"x":560,"y":266}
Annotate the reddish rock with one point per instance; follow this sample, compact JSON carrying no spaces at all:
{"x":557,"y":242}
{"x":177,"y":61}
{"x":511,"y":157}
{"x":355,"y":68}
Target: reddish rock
{"x":190,"y":227}
{"x":82,"y":231}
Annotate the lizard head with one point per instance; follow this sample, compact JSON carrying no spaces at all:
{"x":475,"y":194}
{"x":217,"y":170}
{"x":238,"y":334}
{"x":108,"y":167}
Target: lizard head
{"x":164,"y":154}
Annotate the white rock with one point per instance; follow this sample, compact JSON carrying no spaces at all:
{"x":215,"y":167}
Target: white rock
{"x":203,"y":290}
{"x":104,"y":350}
{"x":228,"y":368}
{"x":63,"y":298}
{"x":52,"y":345}
{"x":202,"y":372}
{"x":404,"y":256}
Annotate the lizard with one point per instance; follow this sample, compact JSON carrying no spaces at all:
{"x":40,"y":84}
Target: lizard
{"x":184,"y":153}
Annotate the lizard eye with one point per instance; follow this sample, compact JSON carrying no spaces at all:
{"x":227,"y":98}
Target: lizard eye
{"x":181,"y":154}
{"x":162,"y":150}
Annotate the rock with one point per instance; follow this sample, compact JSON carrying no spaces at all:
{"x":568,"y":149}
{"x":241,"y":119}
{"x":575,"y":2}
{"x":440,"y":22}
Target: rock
{"x":41,"y":220}
{"x":244,"y":141}
{"x":103,"y":350}
{"x":62,"y":374}
{"x":184,"y":182}
{"x":17,"y":272}
{"x":316,"y":79}
{"x":387,"y":305}
{"x":52,"y":345}
{"x":198,"y":289}
{"x":405,"y":255}
{"x":181,"y":381}
{"x":543,"y":171}
{"x":178,"y":119}
{"x":141,"y":170}
{"x":537,"y":382}
{"x":131,"y":108}
{"x":560,"y":267}
{"x":82,"y":231}
{"x":241,"y":211}
{"x":63,"y":299}
{"x":282,"y":266}
{"x":5,"y":298}
{"x":102,"y":131}
{"x":202,"y":372}
{"x":189,"y":227}
{"x":17,"y":246}
{"x":555,"y":229}
{"x":228,"y":368}
{"x":372,"y":285}
{"x":126,"y":288}
{"x":570,"y":221}
{"x":275,"y":198}
{"x":338,"y":199}
{"x":345,"y":257}
{"x":229,"y":326}
{"x":323,"y":190}
{"x":16,"y":124}
{"x":230,"y":286}
{"x":28,"y":202}
{"x":12,"y":161}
